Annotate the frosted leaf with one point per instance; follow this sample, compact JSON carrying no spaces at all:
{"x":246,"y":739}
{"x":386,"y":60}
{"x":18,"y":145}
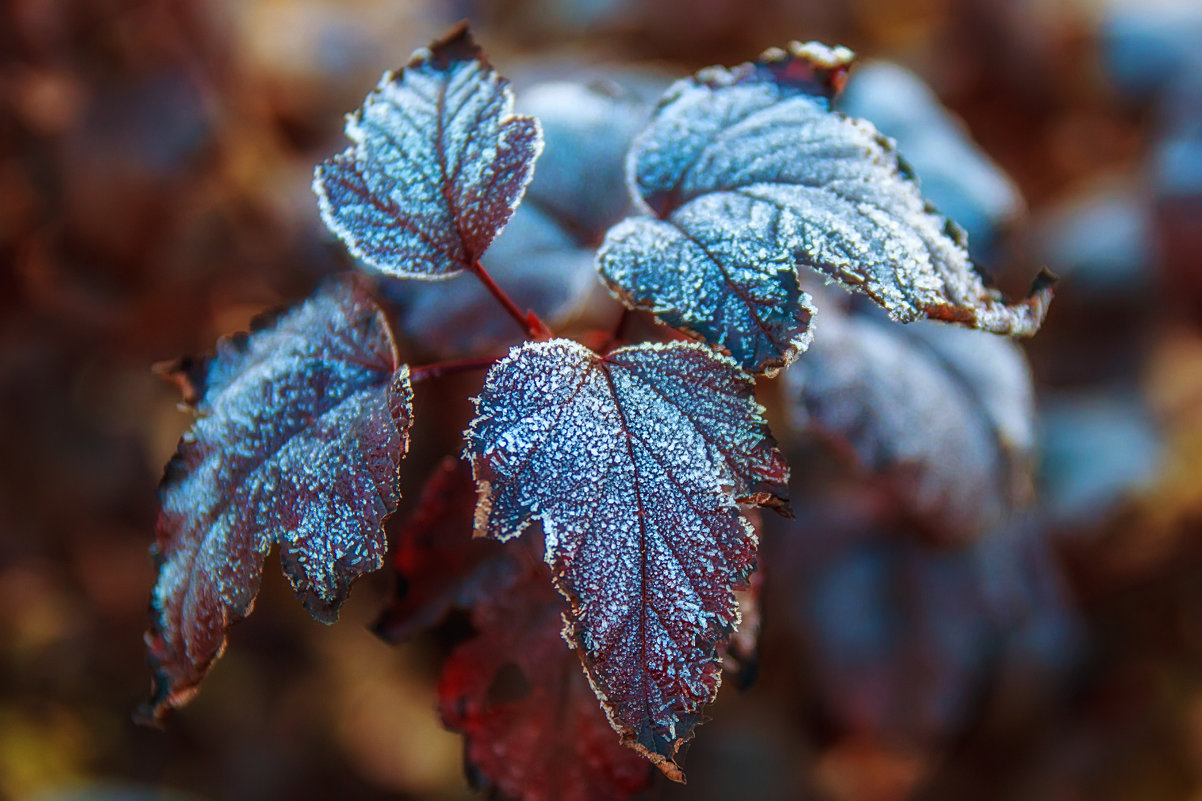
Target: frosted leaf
{"x":635,"y":464}
{"x":745,"y":172}
{"x":700,"y":273}
{"x":945,"y":417}
{"x":301,"y":427}
{"x":532,"y":730}
{"x":438,"y":165}
{"x":545,"y":256}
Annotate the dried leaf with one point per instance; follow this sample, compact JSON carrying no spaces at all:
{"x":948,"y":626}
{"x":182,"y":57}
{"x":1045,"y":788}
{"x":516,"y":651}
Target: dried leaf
{"x":439,"y":164}
{"x":944,"y":416}
{"x":531,"y":723}
{"x":745,"y":174}
{"x":301,"y":427}
{"x":439,"y":565}
{"x":635,"y":463}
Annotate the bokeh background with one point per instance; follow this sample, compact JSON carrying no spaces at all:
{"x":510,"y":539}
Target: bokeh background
{"x":155,"y":160}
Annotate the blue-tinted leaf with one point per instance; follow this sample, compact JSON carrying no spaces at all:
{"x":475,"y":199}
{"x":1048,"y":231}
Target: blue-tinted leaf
{"x":301,"y":427}
{"x":635,"y":464}
{"x":439,"y":164}
{"x":581,"y":178}
{"x":901,"y":640}
{"x":544,"y":257}
{"x":944,"y":416}
{"x":746,"y":173}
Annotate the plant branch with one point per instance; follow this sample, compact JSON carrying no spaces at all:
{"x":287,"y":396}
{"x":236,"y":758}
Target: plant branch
{"x":437,"y":370}
{"x":532,"y":326}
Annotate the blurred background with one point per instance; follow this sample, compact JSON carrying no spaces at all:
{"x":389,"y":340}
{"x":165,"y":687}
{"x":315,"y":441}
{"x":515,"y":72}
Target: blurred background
{"x":155,"y":161}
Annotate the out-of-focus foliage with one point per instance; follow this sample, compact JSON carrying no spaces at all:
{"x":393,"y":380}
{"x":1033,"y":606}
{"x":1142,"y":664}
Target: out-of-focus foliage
{"x":155,"y":159}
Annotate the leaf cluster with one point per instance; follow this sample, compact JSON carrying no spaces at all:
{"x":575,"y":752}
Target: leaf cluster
{"x":640,"y":462}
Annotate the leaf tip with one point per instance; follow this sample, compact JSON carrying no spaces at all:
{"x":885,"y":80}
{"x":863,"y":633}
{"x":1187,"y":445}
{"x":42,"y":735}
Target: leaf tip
{"x":455,"y":46}
{"x":812,"y":67}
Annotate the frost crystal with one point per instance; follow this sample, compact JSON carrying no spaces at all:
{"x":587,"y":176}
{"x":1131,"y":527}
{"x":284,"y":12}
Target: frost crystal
{"x":745,"y":174}
{"x":439,"y":164}
{"x":301,"y":427}
{"x":635,"y":463}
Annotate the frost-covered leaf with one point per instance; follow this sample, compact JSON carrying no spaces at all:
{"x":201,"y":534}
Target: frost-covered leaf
{"x":301,"y":427}
{"x":439,"y":564}
{"x":945,"y":416}
{"x":532,"y":726}
{"x":635,"y":464}
{"x":438,"y":165}
{"x":745,"y":174}
{"x":544,"y":257}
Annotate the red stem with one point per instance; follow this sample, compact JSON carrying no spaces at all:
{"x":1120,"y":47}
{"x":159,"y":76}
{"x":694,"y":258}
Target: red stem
{"x":439,"y":369}
{"x":531,"y":325}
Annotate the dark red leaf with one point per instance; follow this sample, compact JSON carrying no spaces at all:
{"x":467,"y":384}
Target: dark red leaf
{"x":531,"y":723}
{"x":439,"y":564}
{"x":635,"y":464}
{"x":301,"y":428}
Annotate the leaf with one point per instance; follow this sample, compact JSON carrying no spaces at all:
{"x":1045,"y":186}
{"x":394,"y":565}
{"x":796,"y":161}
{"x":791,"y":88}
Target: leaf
{"x":944,"y":416}
{"x":635,"y":464}
{"x":439,"y":164}
{"x":531,"y":723}
{"x":902,"y":641}
{"x":439,"y":565}
{"x":301,"y":427}
{"x":744,"y":174}
{"x":588,"y":129}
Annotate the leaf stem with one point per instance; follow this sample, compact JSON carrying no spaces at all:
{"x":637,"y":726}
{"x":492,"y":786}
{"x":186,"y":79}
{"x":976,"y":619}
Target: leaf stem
{"x":618,"y":333}
{"x":531,"y":325}
{"x":439,"y":369}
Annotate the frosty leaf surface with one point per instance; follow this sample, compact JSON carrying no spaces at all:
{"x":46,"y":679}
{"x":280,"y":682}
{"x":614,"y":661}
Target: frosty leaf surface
{"x":531,"y":724}
{"x":635,"y":464}
{"x":745,"y":173}
{"x":301,"y":425}
{"x":439,"y":565}
{"x":438,"y":165}
{"x":944,"y":416}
